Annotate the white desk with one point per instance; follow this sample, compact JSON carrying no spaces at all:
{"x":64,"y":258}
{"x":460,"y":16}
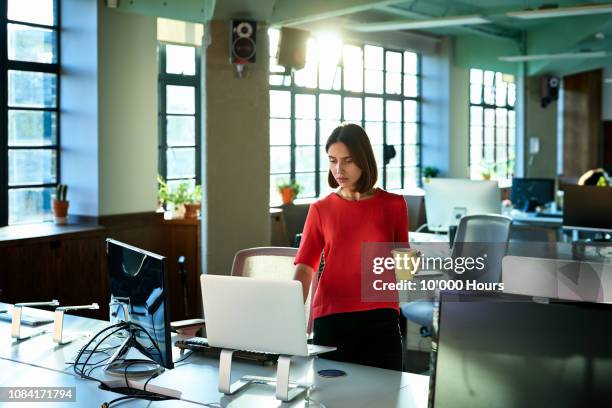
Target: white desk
{"x":197,"y":377}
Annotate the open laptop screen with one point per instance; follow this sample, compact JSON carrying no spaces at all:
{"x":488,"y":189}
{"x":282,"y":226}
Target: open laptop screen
{"x":509,"y":351}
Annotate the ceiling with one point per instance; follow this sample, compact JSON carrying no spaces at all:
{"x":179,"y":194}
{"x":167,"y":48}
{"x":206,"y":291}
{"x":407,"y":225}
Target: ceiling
{"x":550,"y":40}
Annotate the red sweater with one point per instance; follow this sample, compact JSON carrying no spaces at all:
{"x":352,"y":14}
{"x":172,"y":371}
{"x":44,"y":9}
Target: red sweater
{"x":338,"y":227}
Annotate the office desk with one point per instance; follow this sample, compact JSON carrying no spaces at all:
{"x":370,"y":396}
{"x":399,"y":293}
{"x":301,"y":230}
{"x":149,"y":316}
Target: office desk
{"x":531,"y":219}
{"x":40,"y":362}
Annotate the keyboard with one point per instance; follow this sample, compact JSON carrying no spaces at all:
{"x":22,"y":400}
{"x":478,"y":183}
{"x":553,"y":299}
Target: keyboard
{"x":26,"y":319}
{"x":200,"y":345}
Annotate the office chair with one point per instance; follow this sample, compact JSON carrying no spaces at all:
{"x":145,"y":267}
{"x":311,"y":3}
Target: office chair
{"x":272,"y":263}
{"x":475,"y":229}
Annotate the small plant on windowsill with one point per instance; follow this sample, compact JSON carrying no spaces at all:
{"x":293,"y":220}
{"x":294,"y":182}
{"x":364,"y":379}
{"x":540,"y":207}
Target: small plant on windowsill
{"x":60,"y":204}
{"x":288,"y":190}
{"x":182,"y":201}
{"x":430,"y":172}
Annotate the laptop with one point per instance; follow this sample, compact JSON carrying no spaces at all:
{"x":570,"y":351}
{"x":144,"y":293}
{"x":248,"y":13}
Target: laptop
{"x":260,"y":315}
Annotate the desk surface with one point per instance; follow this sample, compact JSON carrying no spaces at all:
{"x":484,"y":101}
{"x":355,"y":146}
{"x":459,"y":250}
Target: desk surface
{"x":40,"y":362}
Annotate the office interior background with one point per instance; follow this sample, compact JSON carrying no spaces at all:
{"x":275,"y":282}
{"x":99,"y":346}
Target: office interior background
{"x":104,"y":96}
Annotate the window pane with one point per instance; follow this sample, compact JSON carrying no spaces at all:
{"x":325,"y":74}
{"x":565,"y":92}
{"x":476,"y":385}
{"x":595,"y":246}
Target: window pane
{"x":397,"y":160}
{"x":410,"y":133}
{"x":393,"y":84}
{"x":180,"y":59}
{"x":32,"y":89}
{"x":181,"y":130}
{"x":374,"y":132}
{"x":476,"y":76}
{"x":307,"y":76}
{"x":500,"y":94}
{"x":394,"y":134}
{"x":476,"y":135}
{"x":410,"y":86}
{"x":174,"y":184}
{"x":352,"y":109}
{"x":489,"y":117}
{"x":489,"y":78}
{"x":394,"y":178}
{"x":275,"y":68}
{"x":31,"y":128}
{"x":329,"y":106}
{"x":378,"y":155}
{"x":307,"y":181}
{"x":180,"y":99}
{"x":411,"y":176}
{"x":410,"y":111}
{"x":475,"y":93}
{"x":373,"y":57}
{"x":489,"y":97}
{"x":305,"y":106}
{"x":511,"y":94}
{"x":32,"y":167}
{"x":476,"y":115}
{"x":489,"y":135}
{"x":305,"y":132}
{"x":273,"y":39}
{"x":30,"y":205}
{"x":180,"y":162}
{"x":500,"y":116}
{"x":280,"y":159}
{"x":31,"y":11}
{"x":394,"y":111}
{"x":374,"y":81}
{"x":326,"y":127}
{"x":305,"y":158}
{"x":280,"y":104}
{"x":411,"y":155}
{"x":323,"y":159}
{"x":324,"y":187}
{"x":280,"y":131}
{"x":31,"y":44}
{"x":353,"y":68}
{"x":410,"y":63}
{"x":329,"y":77}
{"x":276,"y":79}
{"x":393,"y":61}
{"x":374,"y":109}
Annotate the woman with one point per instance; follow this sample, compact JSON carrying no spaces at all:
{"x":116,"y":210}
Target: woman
{"x":363,"y":332}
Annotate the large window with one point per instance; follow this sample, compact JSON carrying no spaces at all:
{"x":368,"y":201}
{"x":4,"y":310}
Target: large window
{"x":179,"y":103}
{"x":372,"y":86}
{"x":29,"y":111}
{"x":492,"y":125}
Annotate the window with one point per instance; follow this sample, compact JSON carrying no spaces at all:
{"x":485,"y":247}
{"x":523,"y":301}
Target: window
{"x":29,"y":113}
{"x":372,"y":86}
{"x":492,"y":125}
{"x":179,"y":104}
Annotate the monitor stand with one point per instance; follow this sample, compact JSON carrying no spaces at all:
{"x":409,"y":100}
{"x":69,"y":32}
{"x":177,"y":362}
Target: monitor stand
{"x":285,"y":390}
{"x":117,"y":364}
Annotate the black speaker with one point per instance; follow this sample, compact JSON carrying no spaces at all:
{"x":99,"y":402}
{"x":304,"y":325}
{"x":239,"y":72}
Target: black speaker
{"x":549,"y":89}
{"x":243,"y":38}
{"x":292,"y":48}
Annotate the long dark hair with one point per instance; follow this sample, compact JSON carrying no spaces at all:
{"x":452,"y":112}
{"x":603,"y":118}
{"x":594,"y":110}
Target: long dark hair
{"x":358,"y":143}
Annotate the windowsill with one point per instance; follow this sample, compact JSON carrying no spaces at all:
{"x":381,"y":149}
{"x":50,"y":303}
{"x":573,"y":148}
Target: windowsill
{"x":46,"y":229}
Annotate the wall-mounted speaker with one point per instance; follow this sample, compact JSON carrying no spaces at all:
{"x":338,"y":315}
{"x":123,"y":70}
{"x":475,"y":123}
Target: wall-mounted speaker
{"x":549,"y":89}
{"x":243,"y":38}
{"x":292,"y":48}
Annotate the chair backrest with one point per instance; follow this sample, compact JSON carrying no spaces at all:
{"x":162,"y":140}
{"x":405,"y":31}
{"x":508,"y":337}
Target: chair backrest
{"x":533,"y":241}
{"x":271,"y":263}
{"x":482,"y":234}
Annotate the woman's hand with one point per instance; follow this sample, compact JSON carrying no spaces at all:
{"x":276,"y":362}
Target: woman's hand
{"x":303,"y":273}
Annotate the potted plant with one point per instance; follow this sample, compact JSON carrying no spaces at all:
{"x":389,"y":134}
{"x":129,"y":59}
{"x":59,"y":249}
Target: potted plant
{"x":288,"y":190}
{"x":193,"y":202}
{"x":60,"y":204}
{"x":430,"y":172}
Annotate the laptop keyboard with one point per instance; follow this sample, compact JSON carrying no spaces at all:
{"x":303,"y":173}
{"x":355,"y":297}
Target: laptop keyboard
{"x":200,"y":345}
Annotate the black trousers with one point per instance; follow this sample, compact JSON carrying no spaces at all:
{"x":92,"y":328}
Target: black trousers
{"x":370,"y":337}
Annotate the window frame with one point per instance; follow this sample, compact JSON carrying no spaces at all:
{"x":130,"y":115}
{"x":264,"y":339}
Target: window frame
{"x":295,"y":90}
{"x":494,"y":107}
{"x":165,"y":79}
{"x":7,"y":65}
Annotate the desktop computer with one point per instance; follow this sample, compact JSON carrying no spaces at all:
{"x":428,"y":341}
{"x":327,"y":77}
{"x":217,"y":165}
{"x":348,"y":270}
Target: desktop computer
{"x":507,"y":351}
{"x":529,"y":193}
{"x":138,"y":277}
{"x":447,"y":200}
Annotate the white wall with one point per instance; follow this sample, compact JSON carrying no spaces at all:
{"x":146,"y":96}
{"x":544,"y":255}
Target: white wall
{"x":127,"y":112}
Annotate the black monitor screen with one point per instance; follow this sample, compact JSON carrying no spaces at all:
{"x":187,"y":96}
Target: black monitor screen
{"x":139,"y":276}
{"x":507,"y":351}
{"x":588,"y":208}
{"x":538,"y":191}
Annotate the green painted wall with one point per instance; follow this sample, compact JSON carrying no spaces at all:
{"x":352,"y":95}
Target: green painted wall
{"x":473,"y":51}
{"x":237,"y":157}
{"x":458,"y":137}
{"x":127,"y":87}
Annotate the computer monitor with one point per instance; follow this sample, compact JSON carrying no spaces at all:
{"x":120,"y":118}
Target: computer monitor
{"x":528,"y":193}
{"x":447,"y":200}
{"x":588,"y":208}
{"x":140,"y":276}
{"x":499,"y":350}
